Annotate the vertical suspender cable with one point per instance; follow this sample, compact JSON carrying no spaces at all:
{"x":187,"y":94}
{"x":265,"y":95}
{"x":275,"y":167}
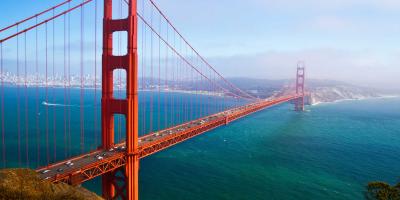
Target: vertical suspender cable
{"x":151,"y":75}
{"x":18,"y":105}
{"x":192,"y":117}
{"x":159,"y":78}
{"x":82,"y":83}
{"x":54,"y":93}
{"x":69,"y":81}
{"x":180,"y":72}
{"x":173,"y":115}
{"x":166,"y":86}
{"x":95,"y":76}
{"x":37,"y":114}
{"x":26,"y":105}
{"x":143,"y":75}
{"x":47,"y":109}
{"x":2,"y":109}
{"x":65,"y":87}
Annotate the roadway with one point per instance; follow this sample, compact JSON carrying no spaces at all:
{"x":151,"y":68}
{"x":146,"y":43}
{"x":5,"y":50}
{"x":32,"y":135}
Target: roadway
{"x":88,"y":166}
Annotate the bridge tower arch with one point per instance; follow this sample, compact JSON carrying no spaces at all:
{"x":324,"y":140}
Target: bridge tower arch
{"x":121,"y":183}
{"x":300,"y":77}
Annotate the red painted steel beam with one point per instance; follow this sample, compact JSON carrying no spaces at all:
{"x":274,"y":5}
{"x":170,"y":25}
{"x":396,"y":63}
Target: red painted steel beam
{"x":111,"y":106}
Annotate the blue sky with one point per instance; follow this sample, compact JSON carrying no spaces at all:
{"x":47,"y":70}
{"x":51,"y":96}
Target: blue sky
{"x":351,"y":40}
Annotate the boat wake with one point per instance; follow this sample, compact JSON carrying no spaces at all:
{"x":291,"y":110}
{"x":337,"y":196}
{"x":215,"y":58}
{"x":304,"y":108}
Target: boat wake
{"x":56,"y":104}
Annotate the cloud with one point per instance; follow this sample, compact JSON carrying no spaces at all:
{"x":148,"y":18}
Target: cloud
{"x":358,"y":67}
{"x":329,"y":5}
{"x":332,"y":23}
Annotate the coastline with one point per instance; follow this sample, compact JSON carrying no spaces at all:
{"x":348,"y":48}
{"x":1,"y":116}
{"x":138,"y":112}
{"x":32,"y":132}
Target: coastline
{"x":355,"y":99}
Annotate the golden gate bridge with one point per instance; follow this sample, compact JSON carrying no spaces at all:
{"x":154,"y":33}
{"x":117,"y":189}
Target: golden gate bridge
{"x":50,"y":61}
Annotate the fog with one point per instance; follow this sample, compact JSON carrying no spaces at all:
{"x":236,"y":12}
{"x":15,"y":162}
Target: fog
{"x":355,"y":41}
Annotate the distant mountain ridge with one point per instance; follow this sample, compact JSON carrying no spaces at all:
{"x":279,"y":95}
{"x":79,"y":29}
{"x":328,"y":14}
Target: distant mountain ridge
{"x":319,"y":90}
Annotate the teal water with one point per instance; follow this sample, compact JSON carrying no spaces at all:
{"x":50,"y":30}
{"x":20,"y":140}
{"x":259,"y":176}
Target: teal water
{"x":42,"y":127}
{"x":330,"y":152}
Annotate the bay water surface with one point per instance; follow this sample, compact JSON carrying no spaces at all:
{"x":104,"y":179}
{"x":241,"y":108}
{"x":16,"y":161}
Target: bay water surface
{"x":330,"y":151}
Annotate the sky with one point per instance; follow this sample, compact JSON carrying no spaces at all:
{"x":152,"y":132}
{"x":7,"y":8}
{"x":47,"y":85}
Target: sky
{"x":356,"y":41}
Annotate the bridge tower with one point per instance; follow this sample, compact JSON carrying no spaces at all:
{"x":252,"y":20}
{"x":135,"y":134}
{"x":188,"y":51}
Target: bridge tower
{"x":300,"y":76}
{"x":121,"y":183}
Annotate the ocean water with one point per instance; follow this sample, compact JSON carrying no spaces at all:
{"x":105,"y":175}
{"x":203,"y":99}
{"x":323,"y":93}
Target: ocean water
{"x":43,"y":126}
{"x":330,"y":151}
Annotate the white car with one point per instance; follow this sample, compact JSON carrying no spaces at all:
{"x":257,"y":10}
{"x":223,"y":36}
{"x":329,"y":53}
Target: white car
{"x":69,"y":163}
{"x":100,"y":158}
{"x":46,"y":171}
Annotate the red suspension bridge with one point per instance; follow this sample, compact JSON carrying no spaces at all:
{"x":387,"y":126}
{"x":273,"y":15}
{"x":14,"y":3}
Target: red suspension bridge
{"x":155,"y":91}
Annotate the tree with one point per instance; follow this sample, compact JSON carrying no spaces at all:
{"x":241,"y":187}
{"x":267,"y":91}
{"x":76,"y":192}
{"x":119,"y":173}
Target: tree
{"x":382,"y":191}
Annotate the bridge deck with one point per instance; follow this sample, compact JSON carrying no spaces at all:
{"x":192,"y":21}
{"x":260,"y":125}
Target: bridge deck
{"x":89,"y":166}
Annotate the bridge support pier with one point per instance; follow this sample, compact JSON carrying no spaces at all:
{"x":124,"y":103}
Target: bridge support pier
{"x":300,"y":76}
{"x":121,"y":183}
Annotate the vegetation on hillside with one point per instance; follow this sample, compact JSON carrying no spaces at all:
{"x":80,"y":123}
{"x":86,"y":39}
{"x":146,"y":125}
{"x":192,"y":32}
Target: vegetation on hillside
{"x":25,"y":184}
{"x":382,"y":191}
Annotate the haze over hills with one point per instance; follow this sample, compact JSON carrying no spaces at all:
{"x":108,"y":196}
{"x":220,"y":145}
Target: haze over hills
{"x":319,"y":90}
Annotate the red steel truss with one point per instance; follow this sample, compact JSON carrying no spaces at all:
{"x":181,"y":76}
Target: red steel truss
{"x":115,"y":162}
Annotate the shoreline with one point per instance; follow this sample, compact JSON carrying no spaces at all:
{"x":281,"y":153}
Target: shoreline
{"x":191,"y":92}
{"x":358,"y":99}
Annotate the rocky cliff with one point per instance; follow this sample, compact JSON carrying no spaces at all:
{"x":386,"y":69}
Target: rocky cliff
{"x":321,"y":94}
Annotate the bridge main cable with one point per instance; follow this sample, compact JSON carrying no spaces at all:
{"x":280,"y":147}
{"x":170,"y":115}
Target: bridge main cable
{"x":45,"y":21}
{"x":248,"y":96}
{"x":36,"y":15}
{"x":186,"y":61}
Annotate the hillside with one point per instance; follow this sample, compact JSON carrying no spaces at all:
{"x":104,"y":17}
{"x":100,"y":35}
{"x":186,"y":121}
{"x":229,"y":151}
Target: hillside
{"x":319,"y":90}
{"x":25,"y":184}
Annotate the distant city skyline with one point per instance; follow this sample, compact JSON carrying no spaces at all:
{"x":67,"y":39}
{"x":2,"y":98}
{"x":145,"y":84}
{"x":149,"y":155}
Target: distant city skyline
{"x":354,"y":41}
